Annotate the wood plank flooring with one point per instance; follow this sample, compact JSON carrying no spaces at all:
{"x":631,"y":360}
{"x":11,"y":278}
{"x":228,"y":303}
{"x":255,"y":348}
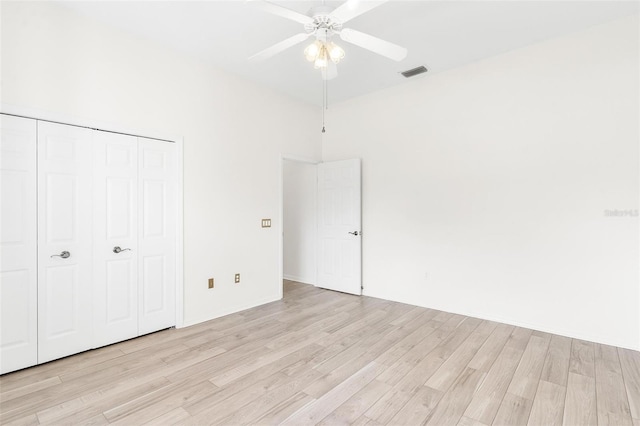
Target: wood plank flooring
{"x":321,"y":357}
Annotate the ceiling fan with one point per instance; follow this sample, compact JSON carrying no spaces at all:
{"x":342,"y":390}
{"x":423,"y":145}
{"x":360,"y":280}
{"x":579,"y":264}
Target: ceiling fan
{"x":323,"y":23}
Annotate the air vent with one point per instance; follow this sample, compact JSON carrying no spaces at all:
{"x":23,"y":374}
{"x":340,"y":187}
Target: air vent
{"x":415,"y":71}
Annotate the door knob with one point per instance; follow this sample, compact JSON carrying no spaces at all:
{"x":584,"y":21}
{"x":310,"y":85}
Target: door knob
{"x":117,"y":249}
{"x":64,"y":255}
{"x":354,"y":233}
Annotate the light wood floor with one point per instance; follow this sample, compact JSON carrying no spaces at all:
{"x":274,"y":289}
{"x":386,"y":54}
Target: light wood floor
{"x":330,"y":358}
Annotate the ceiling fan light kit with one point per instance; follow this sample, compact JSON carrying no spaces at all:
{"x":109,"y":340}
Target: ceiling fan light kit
{"x":320,"y":53}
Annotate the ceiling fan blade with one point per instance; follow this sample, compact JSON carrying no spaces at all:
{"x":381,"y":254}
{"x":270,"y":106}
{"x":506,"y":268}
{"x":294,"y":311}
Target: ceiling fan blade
{"x":279,"y":47}
{"x":281,"y":11}
{"x":352,"y":8}
{"x":374,"y":44}
{"x":330,"y":71}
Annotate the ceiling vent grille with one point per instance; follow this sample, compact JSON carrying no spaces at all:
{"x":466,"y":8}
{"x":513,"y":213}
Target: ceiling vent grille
{"x":415,"y":71}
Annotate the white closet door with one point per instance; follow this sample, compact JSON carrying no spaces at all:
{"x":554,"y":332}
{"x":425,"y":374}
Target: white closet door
{"x":18,"y":251}
{"x":157,"y":234}
{"x":64,"y":240}
{"x":115,"y":242}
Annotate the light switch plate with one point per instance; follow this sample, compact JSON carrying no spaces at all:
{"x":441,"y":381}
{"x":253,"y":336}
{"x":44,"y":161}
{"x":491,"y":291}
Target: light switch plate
{"x":266,"y":223}
{"x":210,"y":282}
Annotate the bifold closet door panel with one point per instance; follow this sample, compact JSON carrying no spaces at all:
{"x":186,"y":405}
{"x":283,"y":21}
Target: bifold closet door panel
{"x":115,"y":238}
{"x":157,"y":234}
{"x":18,"y":250}
{"x":64,"y":240}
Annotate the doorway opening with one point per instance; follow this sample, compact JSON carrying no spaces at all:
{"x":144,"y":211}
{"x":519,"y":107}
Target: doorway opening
{"x":299,"y":220}
{"x":321,"y":241}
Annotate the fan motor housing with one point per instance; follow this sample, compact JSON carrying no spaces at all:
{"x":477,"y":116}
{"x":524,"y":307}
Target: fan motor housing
{"x":322,"y":19}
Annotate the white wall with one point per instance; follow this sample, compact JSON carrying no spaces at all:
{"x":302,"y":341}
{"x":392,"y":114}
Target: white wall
{"x":300,"y":223}
{"x":493,"y":180}
{"x":234,"y":132}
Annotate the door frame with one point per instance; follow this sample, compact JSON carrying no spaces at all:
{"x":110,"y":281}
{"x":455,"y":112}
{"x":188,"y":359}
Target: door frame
{"x":43,"y":115}
{"x":283,"y":158}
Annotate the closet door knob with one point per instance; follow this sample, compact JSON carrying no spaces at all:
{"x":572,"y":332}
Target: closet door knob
{"x":64,"y":255}
{"x":117,"y":249}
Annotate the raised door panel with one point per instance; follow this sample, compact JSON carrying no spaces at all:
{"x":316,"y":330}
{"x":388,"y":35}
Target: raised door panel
{"x":339,"y":226}
{"x":115,"y":242}
{"x":64,"y":240}
{"x":157,"y":235}
{"x":18,"y":250}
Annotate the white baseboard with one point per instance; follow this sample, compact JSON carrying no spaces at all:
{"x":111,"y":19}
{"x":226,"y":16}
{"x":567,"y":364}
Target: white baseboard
{"x":575,"y":334}
{"x":232,"y":310}
{"x":302,"y":280}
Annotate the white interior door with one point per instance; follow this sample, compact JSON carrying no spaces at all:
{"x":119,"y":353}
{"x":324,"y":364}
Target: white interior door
{"x":339,"y":226}
{"x":157,"y":235}
{"x":64,"y":240}
{"x":18,"y":251}
{"x":115,"y":239}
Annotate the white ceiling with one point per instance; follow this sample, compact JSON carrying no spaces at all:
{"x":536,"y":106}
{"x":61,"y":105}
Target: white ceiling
{"x":438,"y":34}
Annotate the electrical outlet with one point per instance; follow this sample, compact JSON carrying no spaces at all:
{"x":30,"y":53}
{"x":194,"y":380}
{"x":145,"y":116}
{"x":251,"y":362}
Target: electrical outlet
{"x":237,"y":280}
{"x":210,"y":282}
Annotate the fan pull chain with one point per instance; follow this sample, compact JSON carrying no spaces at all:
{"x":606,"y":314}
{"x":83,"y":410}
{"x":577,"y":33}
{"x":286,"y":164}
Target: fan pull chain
{"x":324,"y":101}
{"x":324,"y":87}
